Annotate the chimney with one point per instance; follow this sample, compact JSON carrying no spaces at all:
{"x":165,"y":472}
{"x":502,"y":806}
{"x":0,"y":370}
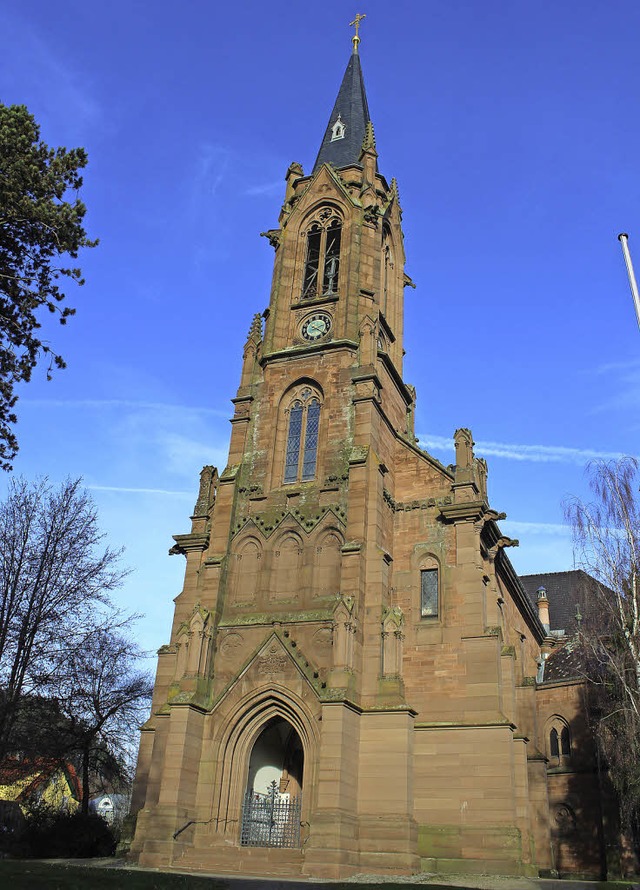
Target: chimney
{"x":543,"y":608}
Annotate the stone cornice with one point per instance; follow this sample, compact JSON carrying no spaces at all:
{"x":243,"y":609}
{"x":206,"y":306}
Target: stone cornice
{"x":316,"y":302}
{"x":304,"y":350}
{"x":484,"y":724}
{"x":267,"y":619}
{"x":466,"y":511}
{"x":187,"y":543}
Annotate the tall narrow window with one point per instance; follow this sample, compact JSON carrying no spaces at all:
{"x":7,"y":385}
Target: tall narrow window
{"x":311,"y":441}
{"x":310,"y":286}
{"x":293,"y":443}
{"x":429,"y":593}
{"x":554,"y":748}
{"x":387,"y":266}
{"x":301,"y":455}
{"x":565,"y":744}
{"x":332,"y":258}
{"x":322,"y":263}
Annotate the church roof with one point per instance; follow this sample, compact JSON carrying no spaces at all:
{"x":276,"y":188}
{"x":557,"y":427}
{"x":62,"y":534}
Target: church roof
{"x":347,"y":125}
{"x":566,"y":591}
{"x":567,"y":663}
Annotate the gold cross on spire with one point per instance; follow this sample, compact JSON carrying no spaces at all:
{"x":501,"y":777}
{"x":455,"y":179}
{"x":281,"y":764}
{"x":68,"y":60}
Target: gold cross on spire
{"x":356,"y":23}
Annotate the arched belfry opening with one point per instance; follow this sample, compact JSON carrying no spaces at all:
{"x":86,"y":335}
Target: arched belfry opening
{"x":273,"y":798}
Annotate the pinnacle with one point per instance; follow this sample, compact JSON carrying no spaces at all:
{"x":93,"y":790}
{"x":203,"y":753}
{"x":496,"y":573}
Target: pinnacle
{"x":369,"y":141}
{"x":255,"y":331}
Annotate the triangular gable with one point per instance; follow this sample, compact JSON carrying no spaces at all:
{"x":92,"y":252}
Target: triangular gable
{"x":278,"y":660}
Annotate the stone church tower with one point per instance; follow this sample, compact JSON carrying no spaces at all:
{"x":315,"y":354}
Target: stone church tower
{"x":350,"y":679}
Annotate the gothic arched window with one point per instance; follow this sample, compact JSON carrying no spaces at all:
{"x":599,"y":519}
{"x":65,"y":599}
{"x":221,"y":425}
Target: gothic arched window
{"x":302,"y":436}
{"x":559,"y":738}
{"x":322,"y":264}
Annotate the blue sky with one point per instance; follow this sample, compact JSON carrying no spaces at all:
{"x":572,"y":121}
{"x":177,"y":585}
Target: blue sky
{"x":513,"y":131}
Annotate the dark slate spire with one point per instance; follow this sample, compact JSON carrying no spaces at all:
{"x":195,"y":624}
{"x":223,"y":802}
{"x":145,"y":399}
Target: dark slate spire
{"x":347,"y":125}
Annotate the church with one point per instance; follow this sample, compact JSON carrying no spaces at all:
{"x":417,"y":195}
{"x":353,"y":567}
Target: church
{"x":355,"y":676}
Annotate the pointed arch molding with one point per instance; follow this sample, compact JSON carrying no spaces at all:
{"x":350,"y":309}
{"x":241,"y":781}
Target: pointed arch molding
{"x":242,"y":724}
{"x":305,"y":520}
{"x":333,"y":189}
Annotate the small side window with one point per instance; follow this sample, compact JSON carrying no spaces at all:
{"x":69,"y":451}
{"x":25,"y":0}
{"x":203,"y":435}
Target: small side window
{"x":429,"y":593}
{"x":558,"y":740}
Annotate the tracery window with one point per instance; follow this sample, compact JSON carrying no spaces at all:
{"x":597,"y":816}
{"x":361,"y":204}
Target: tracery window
{"x":302,"y":436}
{"x":322,"y":264}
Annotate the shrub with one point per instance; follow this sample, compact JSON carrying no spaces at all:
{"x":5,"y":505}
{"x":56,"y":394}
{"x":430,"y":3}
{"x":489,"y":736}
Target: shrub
{"x":50,"y":834}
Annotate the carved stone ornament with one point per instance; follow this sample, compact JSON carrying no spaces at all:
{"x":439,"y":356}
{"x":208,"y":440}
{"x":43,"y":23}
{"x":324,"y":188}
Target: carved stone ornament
{"x":242,"y":410}
{"x":322,"y":638}
{"x":207,"y":490}
{"x":231,"y":643}
{"x":371,"y":216}
{"x":274,"y":661}
{"x":273,"y":236}
{"x":565,"y":819}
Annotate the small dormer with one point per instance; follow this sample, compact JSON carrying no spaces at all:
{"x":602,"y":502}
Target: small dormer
{"x":338,"y":129}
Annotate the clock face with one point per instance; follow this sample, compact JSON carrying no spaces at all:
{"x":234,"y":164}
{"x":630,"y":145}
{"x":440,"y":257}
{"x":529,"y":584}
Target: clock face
{"x":316,"y":326}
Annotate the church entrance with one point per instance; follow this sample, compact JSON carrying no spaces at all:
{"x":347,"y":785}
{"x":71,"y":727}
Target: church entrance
{"x":273,"y":799}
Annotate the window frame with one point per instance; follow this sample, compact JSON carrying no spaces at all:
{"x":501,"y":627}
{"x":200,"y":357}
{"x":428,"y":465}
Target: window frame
{"x":429,"y":571}
{"x":302,"y":449}
{"x":325,"y":267}
{"x":558,"y":741}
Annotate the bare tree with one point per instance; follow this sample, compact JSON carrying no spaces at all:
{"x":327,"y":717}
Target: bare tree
{"x":607,"y":538}
{"x":104,"y":696}
{"x":55,"y":579}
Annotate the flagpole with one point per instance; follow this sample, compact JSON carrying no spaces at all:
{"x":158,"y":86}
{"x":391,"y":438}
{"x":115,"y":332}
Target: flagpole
{"x":623,"y":238}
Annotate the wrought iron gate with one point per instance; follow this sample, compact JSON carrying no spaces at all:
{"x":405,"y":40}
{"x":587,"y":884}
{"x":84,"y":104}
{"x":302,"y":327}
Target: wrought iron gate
{"x":271,"y":819}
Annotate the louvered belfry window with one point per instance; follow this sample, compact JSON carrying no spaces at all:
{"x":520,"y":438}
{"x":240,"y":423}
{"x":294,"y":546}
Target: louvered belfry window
{"x":302,"y":437}
{"x":322,"y":262}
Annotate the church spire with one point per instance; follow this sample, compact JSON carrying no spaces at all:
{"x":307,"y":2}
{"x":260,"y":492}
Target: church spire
{"x":347,"y":125}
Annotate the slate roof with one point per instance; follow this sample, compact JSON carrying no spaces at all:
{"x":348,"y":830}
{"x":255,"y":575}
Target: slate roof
{"x":353,"y":109}
{"x":565,"y":591}
{"x":566,"y":663}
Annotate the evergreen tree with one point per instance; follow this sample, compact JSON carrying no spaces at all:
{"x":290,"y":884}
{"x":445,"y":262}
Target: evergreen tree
{"x":41,"y":231}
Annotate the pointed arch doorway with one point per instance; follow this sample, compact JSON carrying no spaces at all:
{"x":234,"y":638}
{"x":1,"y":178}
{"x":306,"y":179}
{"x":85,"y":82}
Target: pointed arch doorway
{"x":273,"y":799}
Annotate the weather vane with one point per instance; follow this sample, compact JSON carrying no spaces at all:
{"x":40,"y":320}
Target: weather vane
{"x":356,"y":23}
